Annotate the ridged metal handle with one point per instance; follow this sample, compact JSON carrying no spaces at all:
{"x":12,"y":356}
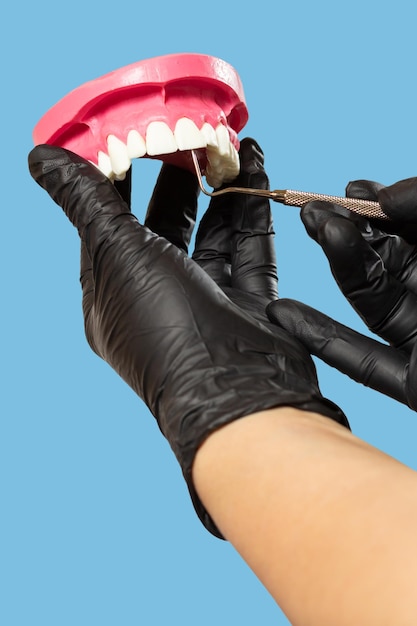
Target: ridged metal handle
{"x":367,"y":208}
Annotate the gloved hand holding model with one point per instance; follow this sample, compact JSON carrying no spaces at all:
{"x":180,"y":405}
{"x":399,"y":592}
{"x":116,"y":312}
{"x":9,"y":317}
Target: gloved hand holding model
{"x":191,"y":337}
{"x":375,"y":265}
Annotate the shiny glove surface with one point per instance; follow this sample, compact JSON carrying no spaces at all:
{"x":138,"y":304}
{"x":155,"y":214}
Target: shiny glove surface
{"x":190,"y":336}
{"x":375,"y":265}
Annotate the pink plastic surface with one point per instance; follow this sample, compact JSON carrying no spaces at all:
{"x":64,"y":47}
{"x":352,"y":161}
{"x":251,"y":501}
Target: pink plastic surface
{"x":165,"y":88}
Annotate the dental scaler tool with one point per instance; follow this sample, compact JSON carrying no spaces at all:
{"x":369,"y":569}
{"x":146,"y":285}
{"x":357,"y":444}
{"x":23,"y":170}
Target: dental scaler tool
{"x":366,"y":208}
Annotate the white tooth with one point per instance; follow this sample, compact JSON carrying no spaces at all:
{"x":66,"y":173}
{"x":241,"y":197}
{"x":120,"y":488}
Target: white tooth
{"x":210,"y":134}
{"x":236,"y":160}
{"x":229,"y":176}
{"x":160,"y":139}
{"x":104,"y":164}
{"x":187,"y":135}
{"x":214,"y":164}
{"x":213,"y":156}
{"x":214,"y":175}
{"x":119,"y":158}
{"x":232,"y":166}
{"x":213,"y":180}
{"x":223,"y":140}
{"x":221,"y":169}
{"x":136,"y":146}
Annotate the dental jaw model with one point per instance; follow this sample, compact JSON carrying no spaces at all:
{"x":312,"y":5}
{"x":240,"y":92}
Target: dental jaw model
{"x":161,"y":108}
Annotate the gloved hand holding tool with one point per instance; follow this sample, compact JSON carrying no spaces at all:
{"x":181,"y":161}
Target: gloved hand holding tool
{"x":374,"y":262}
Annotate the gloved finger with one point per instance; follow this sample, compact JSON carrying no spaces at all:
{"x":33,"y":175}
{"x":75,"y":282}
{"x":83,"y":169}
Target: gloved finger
{"x":172,"y":209}
{"x":124,"y":187}
{"x":398,"y":256}
{"x":84,"y":193}
{"x":253,"y":261}
{"x":212,"y":250}
{"x":316,"y":213}
{"x":386,"y":236}
{"x":117,"y":245}
{"x":87,"y":286}
{"x":369,"y":190}
{"x":398,"y":201}
{"x":383,"y":302}
{"x":361,"y":358}
{"x":363,"y":189}
{"x":234,"y":242}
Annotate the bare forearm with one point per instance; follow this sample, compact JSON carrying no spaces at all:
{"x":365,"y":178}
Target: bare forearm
{"x":326,"y":521}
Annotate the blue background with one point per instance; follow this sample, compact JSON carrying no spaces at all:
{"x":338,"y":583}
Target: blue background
{"x":96,"y":526}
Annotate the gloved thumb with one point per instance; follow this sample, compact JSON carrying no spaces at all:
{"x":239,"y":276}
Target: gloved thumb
{"x":399,"y":201}
{"x":363,"y":189}
{"x":83,"y":192}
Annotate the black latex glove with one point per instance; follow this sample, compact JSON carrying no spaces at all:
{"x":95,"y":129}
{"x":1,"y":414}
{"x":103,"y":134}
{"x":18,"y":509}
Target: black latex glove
{"x":375,"y":265}
{"x":197,"y":357}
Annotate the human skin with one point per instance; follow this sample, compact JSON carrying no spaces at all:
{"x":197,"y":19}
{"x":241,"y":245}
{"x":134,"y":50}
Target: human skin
{"x":326,"y":521}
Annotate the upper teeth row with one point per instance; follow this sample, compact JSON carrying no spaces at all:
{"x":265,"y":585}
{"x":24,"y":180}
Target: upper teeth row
{"x":222,"y":156}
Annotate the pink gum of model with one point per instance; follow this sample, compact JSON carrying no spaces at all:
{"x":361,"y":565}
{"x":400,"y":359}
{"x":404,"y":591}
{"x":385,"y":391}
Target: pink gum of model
{"x":165,"y":88}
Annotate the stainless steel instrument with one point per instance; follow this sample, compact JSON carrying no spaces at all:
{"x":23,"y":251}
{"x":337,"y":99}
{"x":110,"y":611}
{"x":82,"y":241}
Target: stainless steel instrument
{"x":367,"y":208}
